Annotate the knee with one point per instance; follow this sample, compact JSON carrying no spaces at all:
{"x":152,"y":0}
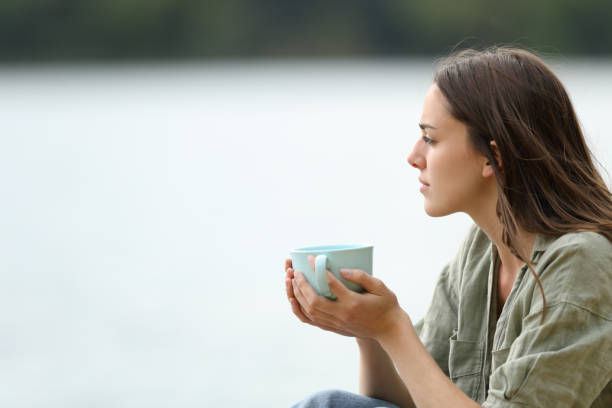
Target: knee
{"x":324,"y":399}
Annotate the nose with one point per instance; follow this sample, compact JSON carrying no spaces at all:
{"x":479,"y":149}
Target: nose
{"x":416,"y":158}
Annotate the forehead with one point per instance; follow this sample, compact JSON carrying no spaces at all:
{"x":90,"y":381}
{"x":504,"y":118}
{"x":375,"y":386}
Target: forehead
{"x":435,"y":109}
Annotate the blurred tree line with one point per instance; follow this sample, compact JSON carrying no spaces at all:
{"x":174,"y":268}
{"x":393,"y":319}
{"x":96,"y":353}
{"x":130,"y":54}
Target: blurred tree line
{"x":48,"y":30}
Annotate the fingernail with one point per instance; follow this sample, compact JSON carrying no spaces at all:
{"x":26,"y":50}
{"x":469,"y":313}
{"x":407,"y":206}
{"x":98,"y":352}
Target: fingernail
{"x":345,"y":272}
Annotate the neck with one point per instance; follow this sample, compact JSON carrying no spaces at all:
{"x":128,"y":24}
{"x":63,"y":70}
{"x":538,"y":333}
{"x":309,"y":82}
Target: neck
{"x":491,"y":225}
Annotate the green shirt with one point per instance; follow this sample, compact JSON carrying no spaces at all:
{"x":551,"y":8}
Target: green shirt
{"x":517,"y":361}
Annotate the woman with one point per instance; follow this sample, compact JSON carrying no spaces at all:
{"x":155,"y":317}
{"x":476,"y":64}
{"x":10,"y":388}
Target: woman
{"x":523,"y":315}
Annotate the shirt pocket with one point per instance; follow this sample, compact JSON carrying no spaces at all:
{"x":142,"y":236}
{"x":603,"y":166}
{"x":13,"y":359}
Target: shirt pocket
{"x":465,"y":365}
{"x":499,"y":357}
{"x":508,"y":378}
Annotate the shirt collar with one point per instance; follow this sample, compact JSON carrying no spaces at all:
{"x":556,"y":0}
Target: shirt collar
{"x":541,"y":244}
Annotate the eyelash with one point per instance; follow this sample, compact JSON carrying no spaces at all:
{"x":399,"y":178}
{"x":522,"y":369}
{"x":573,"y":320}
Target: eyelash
{"x":427,"y":140}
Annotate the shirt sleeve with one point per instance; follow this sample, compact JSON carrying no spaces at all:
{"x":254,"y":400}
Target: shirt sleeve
{"x":564,"y":362}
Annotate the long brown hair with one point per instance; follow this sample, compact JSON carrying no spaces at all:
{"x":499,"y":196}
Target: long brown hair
{"x":548,"y":183}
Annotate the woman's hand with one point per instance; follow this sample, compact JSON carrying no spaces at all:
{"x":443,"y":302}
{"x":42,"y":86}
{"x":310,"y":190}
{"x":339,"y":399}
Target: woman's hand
{"x":366,"y":315}
{"x":296,"y":307}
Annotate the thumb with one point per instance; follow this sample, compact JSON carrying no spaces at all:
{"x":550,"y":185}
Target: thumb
{"x":369,"y":283}
{"x":336,"y":286}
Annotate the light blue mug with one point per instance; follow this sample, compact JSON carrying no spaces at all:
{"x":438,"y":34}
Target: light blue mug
{"x":332,"y":257}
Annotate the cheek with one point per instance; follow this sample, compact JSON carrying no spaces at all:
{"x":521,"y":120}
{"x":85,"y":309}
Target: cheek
{"x":455,"y":176}
{"x":444,"y":168}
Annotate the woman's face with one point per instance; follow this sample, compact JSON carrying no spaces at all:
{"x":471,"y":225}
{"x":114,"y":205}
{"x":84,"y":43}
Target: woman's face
{"x":453,"y":174}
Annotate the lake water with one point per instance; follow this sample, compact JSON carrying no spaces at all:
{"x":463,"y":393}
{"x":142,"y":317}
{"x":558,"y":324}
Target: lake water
{"x":146,"y":212}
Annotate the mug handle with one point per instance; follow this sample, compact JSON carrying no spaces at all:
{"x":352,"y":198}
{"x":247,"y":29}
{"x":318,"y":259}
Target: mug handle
{"x":321,"y":277}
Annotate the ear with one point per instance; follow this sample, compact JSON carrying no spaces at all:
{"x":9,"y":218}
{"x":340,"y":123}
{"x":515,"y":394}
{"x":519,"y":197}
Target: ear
{"x":487,"y":169}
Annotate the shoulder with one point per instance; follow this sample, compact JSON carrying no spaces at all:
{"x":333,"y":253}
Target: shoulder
{"x":576,"y":268}
{"x":579,"y":250}
{"x":589,"y":241}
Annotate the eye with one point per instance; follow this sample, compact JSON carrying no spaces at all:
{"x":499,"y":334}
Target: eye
{"x":428,"y":140}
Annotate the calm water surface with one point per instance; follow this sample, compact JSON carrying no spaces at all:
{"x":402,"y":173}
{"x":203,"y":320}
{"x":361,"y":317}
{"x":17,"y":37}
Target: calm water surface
{"x":146,"y":212}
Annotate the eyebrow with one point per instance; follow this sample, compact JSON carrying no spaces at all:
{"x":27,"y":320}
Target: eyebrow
{"x":425,"y":126}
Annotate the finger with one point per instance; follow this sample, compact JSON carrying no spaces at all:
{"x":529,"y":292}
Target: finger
{"x":305,"y":317}
{"x":297,"y":293}
{"x":336,"y":286}
{"x":300,"y":301}
{"x":316,"y":318}
{"x":288,"y":263}
{"x":312,"y":303}
{"x":368,"y":282}
{"x":297,"y":310}
{"x":306,"y":290}
{"x":290,"y":273}
{"x":311,"y":261}
{"x":289,"y":288}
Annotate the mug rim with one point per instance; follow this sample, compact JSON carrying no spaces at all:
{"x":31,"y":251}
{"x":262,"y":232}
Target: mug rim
{"x":332,"y":248}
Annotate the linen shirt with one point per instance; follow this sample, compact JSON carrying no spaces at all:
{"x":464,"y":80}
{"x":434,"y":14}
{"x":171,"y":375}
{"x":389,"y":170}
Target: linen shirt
{"x":517,"y":360}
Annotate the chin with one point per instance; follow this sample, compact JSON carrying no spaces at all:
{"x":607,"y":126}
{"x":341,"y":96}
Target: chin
{"x":434,"y":211}
{"x":435,"y":214}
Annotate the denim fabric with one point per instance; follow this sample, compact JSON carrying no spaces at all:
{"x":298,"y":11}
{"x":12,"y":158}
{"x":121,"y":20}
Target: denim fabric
{"x":341,"y":399}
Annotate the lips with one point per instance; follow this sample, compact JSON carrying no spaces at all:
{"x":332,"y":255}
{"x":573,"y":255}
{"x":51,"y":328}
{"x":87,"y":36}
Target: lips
{"x":423,"y":182}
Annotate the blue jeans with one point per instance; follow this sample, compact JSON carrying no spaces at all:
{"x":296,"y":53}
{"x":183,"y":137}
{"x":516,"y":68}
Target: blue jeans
{"x":341,"y":399}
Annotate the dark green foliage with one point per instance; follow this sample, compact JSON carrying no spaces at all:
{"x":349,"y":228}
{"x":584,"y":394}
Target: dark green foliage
{"x":32,"y":30}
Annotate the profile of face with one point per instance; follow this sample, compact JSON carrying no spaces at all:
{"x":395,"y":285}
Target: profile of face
{"x":454,"y":176}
